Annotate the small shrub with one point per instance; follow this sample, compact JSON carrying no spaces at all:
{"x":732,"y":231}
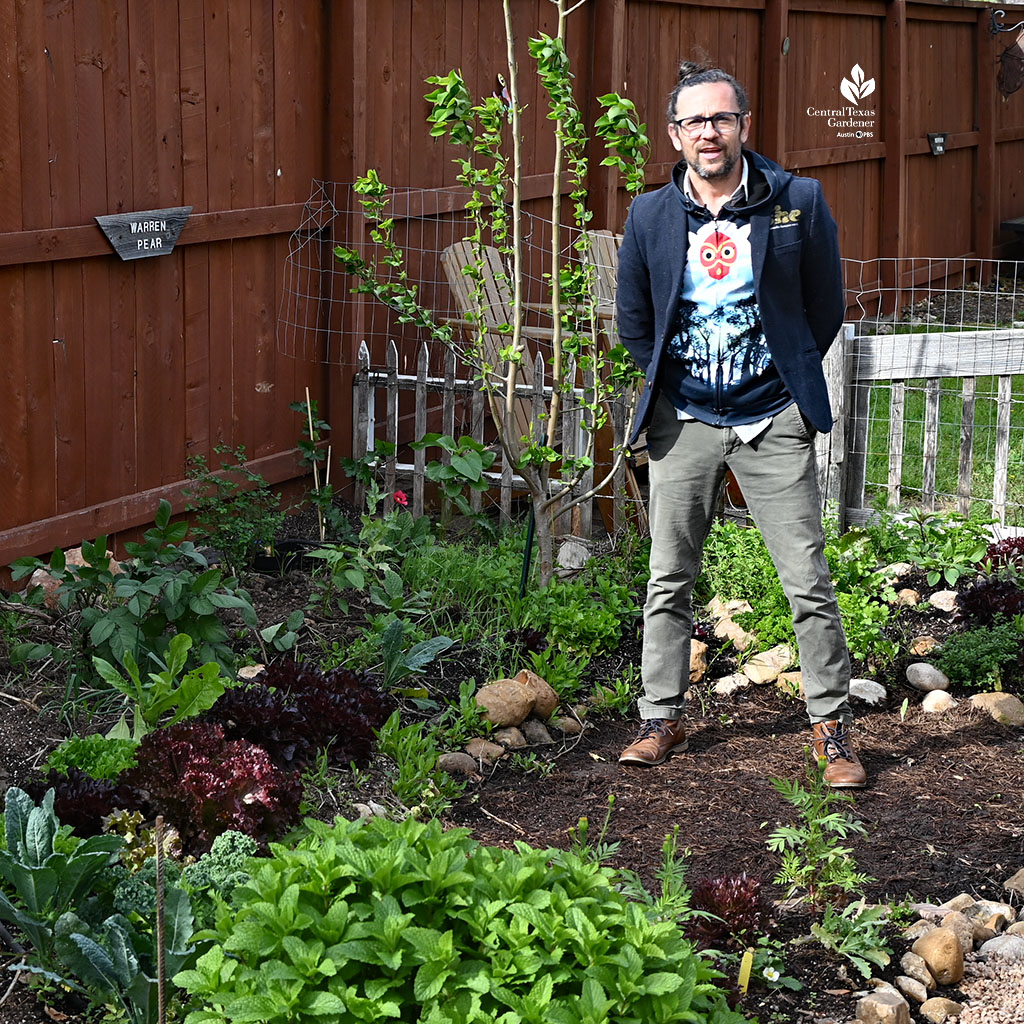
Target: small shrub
{"x":981,"y":657}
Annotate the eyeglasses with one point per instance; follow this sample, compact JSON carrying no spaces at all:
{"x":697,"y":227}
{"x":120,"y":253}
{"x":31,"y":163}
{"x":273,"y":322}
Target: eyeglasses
{"x":724,"y":123}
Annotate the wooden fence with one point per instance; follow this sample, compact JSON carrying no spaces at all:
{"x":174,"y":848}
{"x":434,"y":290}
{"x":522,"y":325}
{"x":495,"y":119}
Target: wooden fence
{"x":117,"y":372}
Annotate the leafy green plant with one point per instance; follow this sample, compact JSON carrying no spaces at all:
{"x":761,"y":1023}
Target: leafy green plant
{"x":185,"y":697}
{"x":980,"y":658}
{"x":673,"y":903}
{"x":417,"y":782}
{"x":164,"y":588}
{"x":946,"y":546}
{"x":406,"y":921}
{"x":562,"y":670}
{"x":812,"y":857}
{"x":96,"y":755}
{"x":460,"y":724}
{"x":398,"y":662}
{"x":234,"y":508}
{"x":213,"y":878}
{"x":864,"y":621}
{"x":468,"y":461}
{"x":616,"y":697}
{"x":580,"y":617}
{"x":530,"y":764}
{"x":47,"y":871}
{"x":856,"y":932}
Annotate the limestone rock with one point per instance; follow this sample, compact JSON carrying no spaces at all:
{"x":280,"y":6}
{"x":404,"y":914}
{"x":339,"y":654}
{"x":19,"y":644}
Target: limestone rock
{"x":72,"y":557}
{"x":792,"y":684}
{"x":572,"y":554}
{"x":719,"y":609}
{"x":925,"y":677}
{"x":250,"y":671}
{"x":545,"y":700}
{"x":961,"y":902}
{"x":1004,"y":947}
{"x":915,"y":967}
{"x":922,"y":645}
{"x":371,"y":809}
{"x":989,"y":907}
{"x":937,"y":702}
{"x":767,"y":666}
{"x":1015,"y":883}
{"x":944,"y":600}
{"x":730,"y":684}
{"x":535,"y":732}
{"x":567,"y":725}
{"x":941,"y":951}
{"x":883,"y":1007}
{"x":1016,"y":929}
{"x":908,"y":597}
{"x":729,"y":630}
{"x":484,"y":750}
{"x":510,"y":737}
{"x":895,"y":570}
{"x":911,"y":988}
{"x":867,"y":690}
{"x":458,"y":763}
{"x":1003,"y":707}
{"x":959,"y":923}
{"x":698,"y":660}
{"x":938,"y":1009}
{"x":505,"y":702}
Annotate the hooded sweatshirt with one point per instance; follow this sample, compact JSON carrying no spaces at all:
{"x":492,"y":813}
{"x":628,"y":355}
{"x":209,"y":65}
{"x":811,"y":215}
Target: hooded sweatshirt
{"x":725,"y":372}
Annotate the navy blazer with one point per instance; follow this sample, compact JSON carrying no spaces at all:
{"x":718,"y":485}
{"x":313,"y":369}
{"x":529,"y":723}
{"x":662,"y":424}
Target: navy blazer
{"x":797,"y":279}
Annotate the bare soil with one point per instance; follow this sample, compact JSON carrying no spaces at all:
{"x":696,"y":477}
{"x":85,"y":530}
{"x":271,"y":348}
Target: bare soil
{"x":942,"y":809}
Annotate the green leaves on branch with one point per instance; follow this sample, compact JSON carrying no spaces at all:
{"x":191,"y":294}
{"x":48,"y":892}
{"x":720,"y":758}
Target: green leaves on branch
{"x":620,"y":129}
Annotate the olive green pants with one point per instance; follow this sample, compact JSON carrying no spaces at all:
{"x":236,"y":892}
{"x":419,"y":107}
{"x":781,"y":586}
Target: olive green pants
{"x":776,"y":472}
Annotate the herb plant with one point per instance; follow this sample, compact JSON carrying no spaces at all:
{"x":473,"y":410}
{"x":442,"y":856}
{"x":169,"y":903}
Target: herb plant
{"x":856,"y":932}
{"x":405,"y":921}
{"x":813,"y":859}
{"x":981,"y":658}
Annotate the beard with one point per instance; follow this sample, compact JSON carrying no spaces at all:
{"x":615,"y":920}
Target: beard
{"x":723,"y":170}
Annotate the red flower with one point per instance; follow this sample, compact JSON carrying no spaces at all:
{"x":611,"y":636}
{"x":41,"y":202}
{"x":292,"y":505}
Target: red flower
{"x":401,"y":497}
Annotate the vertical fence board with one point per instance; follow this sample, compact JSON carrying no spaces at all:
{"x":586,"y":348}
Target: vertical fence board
{"x":476,"y":431}
{"x":1004,"y":399}
{"x":966,"y":464}
{"x":897,"y":403}
{"x":420,"y":455}
{"x":392,"y":424}
{"x":930,"y":451}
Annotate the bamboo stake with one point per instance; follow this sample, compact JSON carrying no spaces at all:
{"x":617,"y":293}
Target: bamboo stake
{"x":316,"y":468}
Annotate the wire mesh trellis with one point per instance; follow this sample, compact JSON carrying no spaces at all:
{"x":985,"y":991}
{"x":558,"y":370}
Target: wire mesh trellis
{"x":936,"y":413}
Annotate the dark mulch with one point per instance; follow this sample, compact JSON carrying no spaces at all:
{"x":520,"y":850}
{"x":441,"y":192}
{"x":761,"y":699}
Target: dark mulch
{"x":942,"y":810}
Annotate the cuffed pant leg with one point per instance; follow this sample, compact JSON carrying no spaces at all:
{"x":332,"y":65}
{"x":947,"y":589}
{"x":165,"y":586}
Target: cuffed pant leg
{"x":778,"y":477}
{"x":686,"y":466}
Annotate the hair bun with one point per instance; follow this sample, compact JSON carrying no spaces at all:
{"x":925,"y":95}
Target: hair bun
{"x":691,"y":69}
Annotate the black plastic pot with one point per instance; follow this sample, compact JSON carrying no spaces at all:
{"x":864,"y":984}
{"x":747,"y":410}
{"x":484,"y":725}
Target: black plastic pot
{"x":288,"y":554}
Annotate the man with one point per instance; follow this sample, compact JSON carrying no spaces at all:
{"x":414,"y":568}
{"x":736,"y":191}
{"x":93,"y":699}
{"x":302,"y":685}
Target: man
{"x":730,"y":293}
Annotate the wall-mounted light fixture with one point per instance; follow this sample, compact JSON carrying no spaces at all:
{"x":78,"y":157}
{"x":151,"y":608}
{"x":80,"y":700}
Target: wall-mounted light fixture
{"x":937,"y":141}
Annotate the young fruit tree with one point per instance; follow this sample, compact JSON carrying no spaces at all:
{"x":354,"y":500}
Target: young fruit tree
{"x":583,"y":360}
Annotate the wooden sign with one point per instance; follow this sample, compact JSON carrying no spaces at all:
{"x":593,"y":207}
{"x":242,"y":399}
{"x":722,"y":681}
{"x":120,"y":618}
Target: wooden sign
{"x":146,"y":233}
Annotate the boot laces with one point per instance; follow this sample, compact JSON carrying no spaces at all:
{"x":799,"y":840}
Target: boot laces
{"x":833,"y":744}
{"x":654,"y":726}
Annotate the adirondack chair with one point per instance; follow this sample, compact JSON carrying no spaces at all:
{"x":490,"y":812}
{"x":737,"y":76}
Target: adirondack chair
{"x":603,"y":255}
{"x":496,"y":311}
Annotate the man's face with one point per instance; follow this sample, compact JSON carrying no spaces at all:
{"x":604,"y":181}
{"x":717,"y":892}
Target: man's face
{"x":710,"y":155}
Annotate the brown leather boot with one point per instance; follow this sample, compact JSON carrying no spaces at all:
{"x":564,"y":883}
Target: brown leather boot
{"x":658,"y":737}
{"x":832,"y":744}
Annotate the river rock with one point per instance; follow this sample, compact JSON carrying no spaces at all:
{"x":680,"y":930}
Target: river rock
{"x":458,"y":763}
{"x":941,"y":951}
{"x":939,"y":1009}
{"x":961,"y":902}
{"x":545,"y":700}
{"x":937,"y":702}
{"x":1015,"y":883}
{"x":767,"y":666}
{"x":535,"y":732}
{"x":959,"y":923}
{"x":510,"y":737}
{"x":895,"y":571}
{"x":1003,"y":707}
{"x":915,"y":967}
{"x":944,"y":600}
{"x":484,"y":750}
{"x":567,"y":725}
{"x":908,"y":597}
{"x":883,"y":1007}
{"x":1016,"y":929}
{"x":505,"y":702}
{"x":911,"y":988}
{"x":728,"y":629}
{"x":914,"y":931}
{"x":925,"y":677}
{"x":1004,"y":947}
{"x":698,"y":660}
{"x":867,"y":690}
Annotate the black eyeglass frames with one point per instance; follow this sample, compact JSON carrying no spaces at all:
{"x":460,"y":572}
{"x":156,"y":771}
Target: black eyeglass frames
{"x":724,"y":123}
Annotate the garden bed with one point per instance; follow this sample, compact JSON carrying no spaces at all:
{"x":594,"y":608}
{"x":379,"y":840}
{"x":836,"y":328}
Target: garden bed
{"x":942,"y":809}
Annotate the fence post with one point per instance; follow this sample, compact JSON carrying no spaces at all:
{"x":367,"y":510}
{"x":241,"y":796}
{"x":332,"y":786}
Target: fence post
{"x":361,"y":415}
{"x":420,"y":455}
{"x":831,"y":448}
{"x":392,"y":424}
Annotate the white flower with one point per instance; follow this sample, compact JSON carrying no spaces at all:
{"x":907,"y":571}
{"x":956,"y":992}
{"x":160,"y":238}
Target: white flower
{"x":771,"y":974}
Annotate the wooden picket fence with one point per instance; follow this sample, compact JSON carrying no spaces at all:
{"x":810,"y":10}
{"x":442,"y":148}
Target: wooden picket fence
{"x":371,"y":385}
